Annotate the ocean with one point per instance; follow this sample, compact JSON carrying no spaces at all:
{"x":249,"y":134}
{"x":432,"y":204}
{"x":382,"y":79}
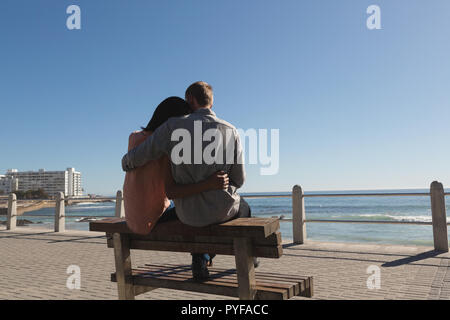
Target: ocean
{"x":404,"y":208}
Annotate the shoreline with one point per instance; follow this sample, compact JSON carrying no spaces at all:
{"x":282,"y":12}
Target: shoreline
{"x":33,"y":205}
{"x":28,"y":207}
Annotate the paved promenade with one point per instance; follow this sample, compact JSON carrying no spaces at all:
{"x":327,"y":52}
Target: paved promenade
{"x":33,"y":265}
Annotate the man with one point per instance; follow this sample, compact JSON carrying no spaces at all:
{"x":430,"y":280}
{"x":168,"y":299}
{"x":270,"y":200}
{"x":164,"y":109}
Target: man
{"x":198,"y":145}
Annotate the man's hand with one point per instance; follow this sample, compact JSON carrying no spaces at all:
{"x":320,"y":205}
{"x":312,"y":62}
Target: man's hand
{"x":218,"y":181}
{"x":125,"y":163}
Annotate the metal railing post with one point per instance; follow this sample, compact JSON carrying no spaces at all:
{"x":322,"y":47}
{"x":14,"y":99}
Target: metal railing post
{"x":120,"y":209}
{"x":439,"y":217}
{"x":298,"y":215}
{"x":11,"y":222}
{"x":60,"y":216}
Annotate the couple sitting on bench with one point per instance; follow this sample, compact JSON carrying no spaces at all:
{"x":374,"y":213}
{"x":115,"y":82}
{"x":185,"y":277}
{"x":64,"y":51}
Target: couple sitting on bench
{"x":187,"y":154}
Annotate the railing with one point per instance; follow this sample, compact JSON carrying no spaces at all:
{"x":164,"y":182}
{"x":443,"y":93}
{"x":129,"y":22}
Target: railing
{"x":59,"y":216}
{"x":436,"y":194}
{"x":438,"y":214}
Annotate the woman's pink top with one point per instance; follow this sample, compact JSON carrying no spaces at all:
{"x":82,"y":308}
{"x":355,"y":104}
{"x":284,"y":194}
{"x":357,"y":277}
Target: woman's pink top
{"x":144,"y":194}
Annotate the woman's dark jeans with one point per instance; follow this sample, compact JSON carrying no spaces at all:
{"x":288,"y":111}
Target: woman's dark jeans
{"x":170,"y":214}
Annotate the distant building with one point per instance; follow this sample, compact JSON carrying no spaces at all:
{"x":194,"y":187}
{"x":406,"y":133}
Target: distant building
{"x":74,"y":183}
{"x":8,"y":184}
{"x":52,"y":182}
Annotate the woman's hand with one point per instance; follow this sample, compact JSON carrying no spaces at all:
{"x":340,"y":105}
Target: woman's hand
{"x":217,"y":181}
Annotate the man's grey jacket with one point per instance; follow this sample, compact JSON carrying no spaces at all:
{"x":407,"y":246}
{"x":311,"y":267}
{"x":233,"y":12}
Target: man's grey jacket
{"x":198,"y":145}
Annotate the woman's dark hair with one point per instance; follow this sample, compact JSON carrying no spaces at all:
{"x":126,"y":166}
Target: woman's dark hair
{"x":171,"y":107}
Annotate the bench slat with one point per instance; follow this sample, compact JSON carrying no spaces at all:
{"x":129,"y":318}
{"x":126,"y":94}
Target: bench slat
{"x":241,"y":227}
{"x":210,"y":287}
{"x":222,"y":282}
{"x":226,"y":277}
{"x":272,"y":240}
{"x":195,"y":247}
{"x":305,"y":283}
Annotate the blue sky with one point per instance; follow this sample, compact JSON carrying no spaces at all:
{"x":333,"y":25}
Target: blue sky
{"x":356,"y":108}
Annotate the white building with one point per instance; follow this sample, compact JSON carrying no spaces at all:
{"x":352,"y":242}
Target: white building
{"x":52,"y":182}
{"x":8,"y":184}
{"x":74,"y":183}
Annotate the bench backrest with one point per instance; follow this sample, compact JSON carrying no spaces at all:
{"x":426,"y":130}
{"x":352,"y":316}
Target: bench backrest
{"x":178,"y":237}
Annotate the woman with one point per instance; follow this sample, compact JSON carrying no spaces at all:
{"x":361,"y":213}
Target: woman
{"x":145,"y":188}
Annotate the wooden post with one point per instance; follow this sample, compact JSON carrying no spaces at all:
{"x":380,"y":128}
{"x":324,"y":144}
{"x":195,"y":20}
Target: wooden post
{"x":60,"y":220}
{"x":120,"y":209}
{"x":122,"y":259}
{"x":298,"y":215}
{"x":439,"y":217}
{"x":11,"y":222}
{"x":245,"y":268}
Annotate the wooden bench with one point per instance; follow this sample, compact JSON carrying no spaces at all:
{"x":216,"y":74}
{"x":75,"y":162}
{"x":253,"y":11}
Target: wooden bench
{"x":244,"y":238}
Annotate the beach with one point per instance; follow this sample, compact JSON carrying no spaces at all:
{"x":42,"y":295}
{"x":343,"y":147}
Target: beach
{"x":27,"y":206}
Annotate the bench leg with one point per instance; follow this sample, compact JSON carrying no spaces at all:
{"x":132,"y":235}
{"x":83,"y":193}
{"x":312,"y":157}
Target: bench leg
{"x":245,"y":268}
{"x":310,"y":288}
{"x":142,"y":289}
{"x":123,"y":266}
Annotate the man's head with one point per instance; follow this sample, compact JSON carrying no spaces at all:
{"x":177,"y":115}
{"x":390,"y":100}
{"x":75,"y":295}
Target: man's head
{"x":199,"y":95}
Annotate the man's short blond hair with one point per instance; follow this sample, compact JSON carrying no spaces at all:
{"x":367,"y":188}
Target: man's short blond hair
{"x":202,"y":92}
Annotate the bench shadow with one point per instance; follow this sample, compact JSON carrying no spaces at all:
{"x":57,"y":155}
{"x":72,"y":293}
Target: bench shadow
{"x":167,"y":270}
{"x":411,"y":259}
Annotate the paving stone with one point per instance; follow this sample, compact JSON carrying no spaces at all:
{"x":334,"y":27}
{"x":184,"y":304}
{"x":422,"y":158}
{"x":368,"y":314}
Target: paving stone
{"x":34,"y":266}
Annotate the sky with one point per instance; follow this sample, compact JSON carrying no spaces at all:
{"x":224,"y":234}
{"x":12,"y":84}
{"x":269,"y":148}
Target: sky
{"x":355,"y":108}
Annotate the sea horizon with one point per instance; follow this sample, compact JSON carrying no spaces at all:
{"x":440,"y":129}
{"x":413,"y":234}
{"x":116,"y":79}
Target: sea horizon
{"x":362,"y":208}
{"x":338,"y":191}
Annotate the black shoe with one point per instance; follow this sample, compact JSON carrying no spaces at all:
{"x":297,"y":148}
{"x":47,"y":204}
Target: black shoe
{"x":255,"y":262}
{"x":210,"y":261}
{"x":199,"y":268}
